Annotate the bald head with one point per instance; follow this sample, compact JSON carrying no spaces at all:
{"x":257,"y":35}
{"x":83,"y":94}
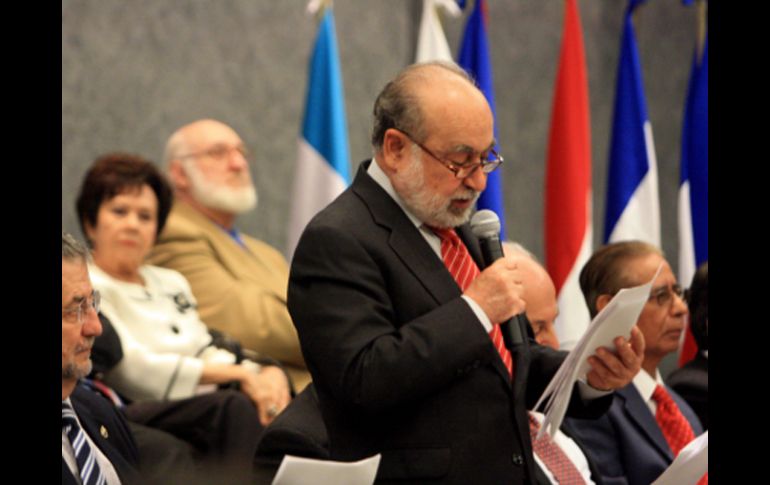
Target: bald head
{"x":197,"y":135}
{"x":539,"y":293}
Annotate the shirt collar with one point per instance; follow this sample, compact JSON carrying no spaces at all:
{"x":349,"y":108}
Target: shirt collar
{"x":646,"y":384}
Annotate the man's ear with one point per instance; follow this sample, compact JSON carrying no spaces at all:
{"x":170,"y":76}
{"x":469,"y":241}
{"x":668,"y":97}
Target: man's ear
{"x":178,"y":176}
{"x":602,"y":301}
{"x":395,"y":150}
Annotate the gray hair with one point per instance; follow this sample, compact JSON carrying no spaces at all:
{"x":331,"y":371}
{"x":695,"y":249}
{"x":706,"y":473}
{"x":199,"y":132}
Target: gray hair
{"x":72,"y":249}
{"x":397,"y":106}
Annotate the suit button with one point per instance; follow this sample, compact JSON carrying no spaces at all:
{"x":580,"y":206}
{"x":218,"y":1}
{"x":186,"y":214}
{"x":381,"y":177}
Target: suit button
{"x":518,"y":460}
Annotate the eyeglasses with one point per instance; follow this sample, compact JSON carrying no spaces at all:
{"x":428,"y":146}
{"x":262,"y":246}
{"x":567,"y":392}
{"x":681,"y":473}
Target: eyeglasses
{"x":488,"y":160}
{"x":219,"y":153}
{"x":81,"y":310}
{"x":664,"y":296}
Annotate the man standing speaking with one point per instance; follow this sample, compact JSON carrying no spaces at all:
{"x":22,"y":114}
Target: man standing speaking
{"x":399,"y":328}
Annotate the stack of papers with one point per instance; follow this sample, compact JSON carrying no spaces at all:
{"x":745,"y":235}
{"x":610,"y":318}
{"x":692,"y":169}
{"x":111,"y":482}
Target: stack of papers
{"x":616,"y":319}
{"x":690,"y":464}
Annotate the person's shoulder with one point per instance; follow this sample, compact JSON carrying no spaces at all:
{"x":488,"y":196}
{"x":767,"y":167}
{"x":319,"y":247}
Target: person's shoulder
{"x":690,"y":375}
{"x":262,"y":247}
{"x":183,"y":222}
{"x":101,"y":280}
{"x":166,"y":278}
{"x":87,"y":401}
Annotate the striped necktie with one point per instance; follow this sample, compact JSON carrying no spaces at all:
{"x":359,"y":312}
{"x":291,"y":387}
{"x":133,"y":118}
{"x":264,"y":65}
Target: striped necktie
{"x":675,"y":427}
{"x":90,"y":472}
{"x":464,"y":270}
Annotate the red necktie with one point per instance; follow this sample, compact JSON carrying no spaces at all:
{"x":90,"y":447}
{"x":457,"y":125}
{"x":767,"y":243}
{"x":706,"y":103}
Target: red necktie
{"x":464,"y":270}
{"x":675,"y":427}
{"x":561,"y":467}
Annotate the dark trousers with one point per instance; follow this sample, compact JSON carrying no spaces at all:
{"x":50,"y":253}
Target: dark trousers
{"x":222,"y":426}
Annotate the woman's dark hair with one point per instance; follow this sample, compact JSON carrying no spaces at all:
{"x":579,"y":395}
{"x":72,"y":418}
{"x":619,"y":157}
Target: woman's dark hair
{"x":115,"y":173}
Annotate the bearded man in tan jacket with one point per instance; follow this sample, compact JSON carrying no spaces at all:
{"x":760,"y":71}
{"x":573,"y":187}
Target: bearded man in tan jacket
{"x":239,"y":282}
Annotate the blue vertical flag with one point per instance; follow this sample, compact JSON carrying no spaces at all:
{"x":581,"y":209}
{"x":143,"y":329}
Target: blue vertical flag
{"x":323,"y":165}
{"x":633,"y":205}
{"x":693,"y":186}
{"x":474,"y":58}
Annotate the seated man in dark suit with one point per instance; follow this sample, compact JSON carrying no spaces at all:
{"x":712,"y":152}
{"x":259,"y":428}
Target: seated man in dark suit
{"x":691,"y":381}
{"x":97,"y":445}
{"x":648,"y":423}
{"x":399,"y":326}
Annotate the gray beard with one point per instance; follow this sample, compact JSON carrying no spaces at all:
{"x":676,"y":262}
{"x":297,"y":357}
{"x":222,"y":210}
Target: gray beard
{"x":225,"y":199}
{"x":73,"y":372}
{"x":432,"y":209}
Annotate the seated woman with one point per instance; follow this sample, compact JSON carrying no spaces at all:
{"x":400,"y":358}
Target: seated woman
{"x":167,"y":350}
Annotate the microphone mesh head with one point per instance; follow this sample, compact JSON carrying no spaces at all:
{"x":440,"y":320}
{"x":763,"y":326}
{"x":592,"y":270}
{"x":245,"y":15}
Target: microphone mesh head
{"x":485,"y":223}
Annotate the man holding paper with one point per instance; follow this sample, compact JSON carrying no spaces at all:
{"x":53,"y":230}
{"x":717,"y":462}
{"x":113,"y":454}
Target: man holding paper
{"x":648,"y":423}
{"x":398,"y":325}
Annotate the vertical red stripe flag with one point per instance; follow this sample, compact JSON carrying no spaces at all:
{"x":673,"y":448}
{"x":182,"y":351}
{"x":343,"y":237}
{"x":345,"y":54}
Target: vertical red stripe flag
{"x":568,"y":225}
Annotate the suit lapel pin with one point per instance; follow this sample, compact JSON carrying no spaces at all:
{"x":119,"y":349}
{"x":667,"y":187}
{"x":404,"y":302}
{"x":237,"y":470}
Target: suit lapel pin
{"x":104,"y":432}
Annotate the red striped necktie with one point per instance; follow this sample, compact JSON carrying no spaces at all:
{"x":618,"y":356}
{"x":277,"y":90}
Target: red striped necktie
{"x":464,"y":270}
{"x":675,"y":427}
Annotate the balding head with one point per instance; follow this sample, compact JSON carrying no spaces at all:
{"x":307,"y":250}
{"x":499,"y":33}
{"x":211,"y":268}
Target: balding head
{"x":208,"y":168}
{"x":198,"y":135}
{"x":539,"y":293}
{"x":402,"y":102}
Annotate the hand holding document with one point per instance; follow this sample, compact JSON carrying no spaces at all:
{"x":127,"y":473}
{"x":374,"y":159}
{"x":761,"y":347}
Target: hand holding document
{"x":295,"y":470}
{"x":690,"y":464}
{"x":616,"y":319}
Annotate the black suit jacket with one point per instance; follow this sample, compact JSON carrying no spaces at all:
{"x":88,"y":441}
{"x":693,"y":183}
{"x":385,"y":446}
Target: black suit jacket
{"x":400,"y":362}
{"x":95,"y":412}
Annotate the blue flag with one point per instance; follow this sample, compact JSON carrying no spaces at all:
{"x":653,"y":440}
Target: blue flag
{"x":693,"y":187}
{"x":474,"y":58}
{"x":323,"y":165}
{"x":695,"y":171}
{"x":633,"y":205}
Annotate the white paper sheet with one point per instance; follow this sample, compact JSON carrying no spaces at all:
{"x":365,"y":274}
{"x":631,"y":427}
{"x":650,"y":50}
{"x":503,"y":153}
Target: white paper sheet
{"x":616,"y":319}
{"x":295,"y":470}
{"x":690,"y":464}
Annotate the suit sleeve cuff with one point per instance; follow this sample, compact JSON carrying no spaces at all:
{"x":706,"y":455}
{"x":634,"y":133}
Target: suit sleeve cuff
{"x":483,"y":318}
{"x":587,"y":392}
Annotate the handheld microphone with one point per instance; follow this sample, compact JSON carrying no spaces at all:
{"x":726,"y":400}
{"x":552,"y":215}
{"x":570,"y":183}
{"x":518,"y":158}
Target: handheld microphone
{"x":486,"y":227}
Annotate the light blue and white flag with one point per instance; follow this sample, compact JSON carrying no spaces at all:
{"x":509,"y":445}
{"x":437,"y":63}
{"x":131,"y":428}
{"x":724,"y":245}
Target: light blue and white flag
{"x":633,"y":204}
{"x":323,"y":166}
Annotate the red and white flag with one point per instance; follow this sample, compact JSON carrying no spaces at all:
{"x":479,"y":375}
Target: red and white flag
{"x":568,"y":207}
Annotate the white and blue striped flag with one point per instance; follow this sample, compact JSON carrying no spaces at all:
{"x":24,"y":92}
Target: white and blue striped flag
{"x":633,"y":205}
{"x":323,"y":166}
